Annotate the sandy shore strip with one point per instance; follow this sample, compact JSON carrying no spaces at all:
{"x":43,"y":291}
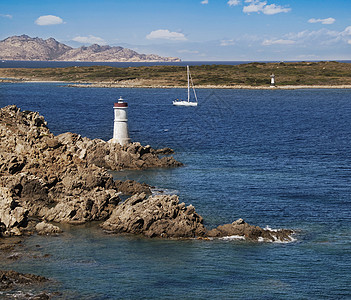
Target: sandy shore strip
{"x":283,"y":87}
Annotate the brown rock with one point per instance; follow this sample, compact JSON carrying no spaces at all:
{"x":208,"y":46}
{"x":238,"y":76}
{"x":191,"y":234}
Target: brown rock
{"x":9,"y":279}
{"x":240,"y":228}
{"x":13,"y":217}
{"x":155,"y":216}
{"x":44,"y":228}
{"x":131,"y":187}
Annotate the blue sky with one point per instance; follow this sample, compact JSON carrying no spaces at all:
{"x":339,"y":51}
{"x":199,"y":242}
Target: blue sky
{"x":239,"y":30}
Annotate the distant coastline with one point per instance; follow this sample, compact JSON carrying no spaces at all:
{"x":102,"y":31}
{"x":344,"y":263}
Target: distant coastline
{"x":233,"y":75}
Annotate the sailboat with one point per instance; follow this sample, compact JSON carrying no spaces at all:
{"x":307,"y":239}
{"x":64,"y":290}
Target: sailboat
{"x":183,"y":102}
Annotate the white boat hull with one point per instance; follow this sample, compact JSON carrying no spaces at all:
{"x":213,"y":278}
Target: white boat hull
{"x":184,"y":103}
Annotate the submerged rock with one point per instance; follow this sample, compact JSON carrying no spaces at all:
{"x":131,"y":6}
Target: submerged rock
{"x":10,"y":278}
{"x":155,"y":216}
{"x":241,"y":229}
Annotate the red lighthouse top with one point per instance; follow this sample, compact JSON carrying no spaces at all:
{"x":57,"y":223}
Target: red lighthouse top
{"x":120,"y":103}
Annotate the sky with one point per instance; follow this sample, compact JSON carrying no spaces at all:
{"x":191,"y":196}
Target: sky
{"x":193,"y":30}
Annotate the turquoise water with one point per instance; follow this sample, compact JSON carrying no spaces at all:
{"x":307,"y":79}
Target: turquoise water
{"x":276,"y":158}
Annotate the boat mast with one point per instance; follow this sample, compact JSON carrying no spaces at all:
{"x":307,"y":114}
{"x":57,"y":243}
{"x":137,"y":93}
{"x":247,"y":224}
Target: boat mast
{"x":192,"y":85}
{"x":188,"y":73}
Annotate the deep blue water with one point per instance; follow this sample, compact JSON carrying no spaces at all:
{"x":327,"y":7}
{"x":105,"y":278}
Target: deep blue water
{"x":272,"y":157}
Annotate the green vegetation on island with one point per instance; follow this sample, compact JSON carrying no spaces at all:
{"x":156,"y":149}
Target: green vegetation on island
{"x":257,"y":74}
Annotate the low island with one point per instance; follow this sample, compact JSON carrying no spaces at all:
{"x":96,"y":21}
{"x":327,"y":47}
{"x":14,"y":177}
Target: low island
{"x":324,"y":74}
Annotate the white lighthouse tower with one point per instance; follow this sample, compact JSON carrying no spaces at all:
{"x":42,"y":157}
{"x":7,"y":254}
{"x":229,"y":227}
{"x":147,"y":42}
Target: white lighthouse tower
{"x":120,"y":128}
{"x":272,"y":80}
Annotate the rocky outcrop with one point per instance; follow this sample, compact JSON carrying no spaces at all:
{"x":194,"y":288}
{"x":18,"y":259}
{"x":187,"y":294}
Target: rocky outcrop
{"x":26,"y":48}
{"x":155,"y":216}
{"x":15,"y":281}
{"x":113,"y":156}
{"x":239,"y":229}
{"x":61,"y":179}
{"x":163,"y":216}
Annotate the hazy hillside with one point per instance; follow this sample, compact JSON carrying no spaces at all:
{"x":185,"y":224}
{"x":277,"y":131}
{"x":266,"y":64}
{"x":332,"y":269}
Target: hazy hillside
{"x":26,"y":48}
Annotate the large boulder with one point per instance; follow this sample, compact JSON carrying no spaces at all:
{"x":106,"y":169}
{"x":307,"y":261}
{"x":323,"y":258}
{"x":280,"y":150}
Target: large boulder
{"x":44,"y":228}
{"x":155,"y":216}
{"x":131,"y":187}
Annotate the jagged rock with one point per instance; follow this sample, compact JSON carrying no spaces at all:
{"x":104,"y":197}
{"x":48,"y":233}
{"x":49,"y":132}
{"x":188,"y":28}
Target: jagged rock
{"x":9,"y":279}
{"x":12,"y":215}
{"x":113,"y":156}
{"x":131,"y":187}
{"x":155,"y":216}
{"x":44,"y":228}
{"x":240,"y":228}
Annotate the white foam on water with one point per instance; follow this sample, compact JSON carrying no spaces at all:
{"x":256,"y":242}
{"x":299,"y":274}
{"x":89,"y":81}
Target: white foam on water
{"x":270,"y":229}
{"x":232,"y":237}
{"x":279,"y":241}
{"x":159,"y":191}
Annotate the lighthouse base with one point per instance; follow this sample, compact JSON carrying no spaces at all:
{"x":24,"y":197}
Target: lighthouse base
{"x":121,"y":141}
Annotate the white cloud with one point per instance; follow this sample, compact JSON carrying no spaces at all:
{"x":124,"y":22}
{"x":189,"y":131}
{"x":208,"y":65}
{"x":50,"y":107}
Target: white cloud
{"x":254,"y":7}
{"x":257,"y":6}
{"x":166,"y":35}
{"x":6,"y":16}
{"x":326,"y":21}
{"x":278,"y":42}
{"x":322,"y":37}
{"x":233,"y":2}
{"x":204,"y":2}
{"x":349,"y":42}
{"x":188,"y":51}
{"x":273,"y":9}
{"x":227,"y":43}
{"x":89,"y":40}
{"x":48,"y":20}
{"x":347,"y":31}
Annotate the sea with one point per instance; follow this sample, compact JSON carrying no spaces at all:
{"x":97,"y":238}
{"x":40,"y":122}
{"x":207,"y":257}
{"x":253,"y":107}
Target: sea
{"x":276,"y":158}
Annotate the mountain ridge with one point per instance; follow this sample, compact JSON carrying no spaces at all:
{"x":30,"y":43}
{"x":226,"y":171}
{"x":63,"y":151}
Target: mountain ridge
{"x":24,"y":47}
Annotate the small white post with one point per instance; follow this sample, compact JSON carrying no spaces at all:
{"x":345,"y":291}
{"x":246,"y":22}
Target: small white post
{"x":272,"y":80}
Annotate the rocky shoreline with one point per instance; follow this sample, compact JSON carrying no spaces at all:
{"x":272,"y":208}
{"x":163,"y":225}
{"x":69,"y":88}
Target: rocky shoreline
{"x":64,"y":179}
{"x":48,"y":180}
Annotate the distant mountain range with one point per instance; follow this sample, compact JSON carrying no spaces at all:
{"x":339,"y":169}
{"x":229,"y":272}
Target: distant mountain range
{"x":26,"y":48}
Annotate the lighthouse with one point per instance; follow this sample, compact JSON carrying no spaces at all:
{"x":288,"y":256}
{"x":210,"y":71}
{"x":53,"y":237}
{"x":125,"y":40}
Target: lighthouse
{"x":120,"y":127}
{"x":272,"y":80}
